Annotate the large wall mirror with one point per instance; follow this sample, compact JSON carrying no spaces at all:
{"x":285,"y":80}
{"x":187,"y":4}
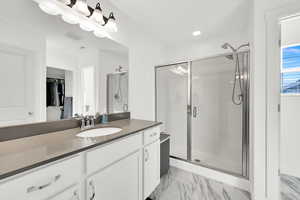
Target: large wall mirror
{"x":51,"y":70}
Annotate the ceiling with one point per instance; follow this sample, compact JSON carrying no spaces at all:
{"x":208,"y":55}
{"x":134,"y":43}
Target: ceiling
{"x":173,"y":21}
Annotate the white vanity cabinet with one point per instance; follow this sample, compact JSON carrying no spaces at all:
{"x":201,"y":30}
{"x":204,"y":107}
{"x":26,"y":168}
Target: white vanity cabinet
{"x":70,"y":194}
{"x":151,"y":160}
{"x":115,"y":170}
{"x":127,"y":168}
{"x":121,"y":180}
{"x":151,"y":168}
{"x":43,"y":183}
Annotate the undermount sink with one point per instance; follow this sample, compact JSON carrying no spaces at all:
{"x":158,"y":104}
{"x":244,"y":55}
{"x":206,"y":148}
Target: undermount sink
{"x":98,"y":132}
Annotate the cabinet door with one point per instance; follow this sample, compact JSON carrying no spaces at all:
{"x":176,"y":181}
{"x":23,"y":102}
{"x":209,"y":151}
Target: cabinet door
{"x":70,"y":194}
{"x":121,"y":180}
{"x":151,"y":168}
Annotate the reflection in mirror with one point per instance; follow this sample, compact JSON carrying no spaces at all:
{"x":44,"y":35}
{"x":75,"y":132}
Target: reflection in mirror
{"x":59,"y":94}
{"x":54,"y":70}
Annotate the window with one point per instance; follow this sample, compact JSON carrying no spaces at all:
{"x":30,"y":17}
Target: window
{"x":290,"y":70}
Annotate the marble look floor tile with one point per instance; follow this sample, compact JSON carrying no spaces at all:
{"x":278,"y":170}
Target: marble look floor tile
{"x":182,"y":185}
{"x":290,"y":187}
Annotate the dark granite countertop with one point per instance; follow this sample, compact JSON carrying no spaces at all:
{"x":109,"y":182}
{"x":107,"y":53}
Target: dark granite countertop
{"x":22,"y":154}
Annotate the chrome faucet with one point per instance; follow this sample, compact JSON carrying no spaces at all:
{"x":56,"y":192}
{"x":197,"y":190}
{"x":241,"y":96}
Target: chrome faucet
{"x":87,"y":121}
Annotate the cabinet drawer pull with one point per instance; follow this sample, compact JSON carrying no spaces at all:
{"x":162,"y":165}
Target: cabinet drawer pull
{"x":76,"y":195}
{"x":153,"y":134}
{"x":41,"y":187}
{"x":146,"y":155}
{"x":93,"y":190}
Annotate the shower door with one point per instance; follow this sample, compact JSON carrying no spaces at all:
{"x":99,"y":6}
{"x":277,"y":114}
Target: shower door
{"x":171,"y":105}
{"x":218,"y":129}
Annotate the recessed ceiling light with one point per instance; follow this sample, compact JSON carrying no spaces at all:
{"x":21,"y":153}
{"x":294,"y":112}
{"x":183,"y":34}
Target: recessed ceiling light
{"x":196,"y":33}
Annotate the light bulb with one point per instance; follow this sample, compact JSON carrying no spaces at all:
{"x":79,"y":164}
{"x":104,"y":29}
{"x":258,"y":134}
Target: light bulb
{"x":82,"y":7}
{"x":111,"y":25}
{"x":97,"y":15}
{"x":87,"y":25}
{"x":67,"y":2}
{"x":70,"y":18}
{"x":100,"y":33}
{"x":49,"y":7}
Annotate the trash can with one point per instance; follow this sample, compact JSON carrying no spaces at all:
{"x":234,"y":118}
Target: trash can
{"x":164,"y":153}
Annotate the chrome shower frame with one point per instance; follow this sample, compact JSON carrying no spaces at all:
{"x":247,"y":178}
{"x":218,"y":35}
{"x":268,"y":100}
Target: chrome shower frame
{"x":108,"y":85}
{"x":245,"y":111}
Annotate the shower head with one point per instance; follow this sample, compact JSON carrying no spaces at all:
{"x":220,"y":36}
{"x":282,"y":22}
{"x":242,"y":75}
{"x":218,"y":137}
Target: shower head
{"x":227,"y":45}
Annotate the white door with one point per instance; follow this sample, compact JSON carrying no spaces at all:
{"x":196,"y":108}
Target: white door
{"x":16,"y":86}
{"x":151,"y":168}
{"x":121,"y":180}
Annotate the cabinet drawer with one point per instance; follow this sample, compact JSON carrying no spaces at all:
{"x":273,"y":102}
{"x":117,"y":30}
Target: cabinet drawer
{"x":151,"y":135}
{"x":44,"y":182}
{"x":106,"y":155}
{"x":69,"y":194}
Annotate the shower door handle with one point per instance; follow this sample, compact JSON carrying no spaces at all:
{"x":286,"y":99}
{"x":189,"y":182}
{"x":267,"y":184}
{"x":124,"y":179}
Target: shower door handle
{"x":195,"y":112}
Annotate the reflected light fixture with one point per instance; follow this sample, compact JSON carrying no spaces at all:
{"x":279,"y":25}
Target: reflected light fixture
{"x":70,"y":18}
{"x":79,"y":12}
{"x":82,"y":7}
{"x":67,"y":2}
{"x":86,"y":25}
{"x":100,"y":33}
{"x":97,"y":15}
{"x":49,"y":8}
{"x":111,"y":25}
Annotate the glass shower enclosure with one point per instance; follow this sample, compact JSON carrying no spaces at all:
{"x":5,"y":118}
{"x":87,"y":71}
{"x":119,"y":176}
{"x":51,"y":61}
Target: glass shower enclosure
{"x":117,"y":92}
{"x":194,"y":101}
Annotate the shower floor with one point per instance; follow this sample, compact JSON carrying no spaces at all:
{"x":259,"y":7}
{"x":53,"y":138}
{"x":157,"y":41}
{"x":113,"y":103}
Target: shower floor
{"x":217,"y":162}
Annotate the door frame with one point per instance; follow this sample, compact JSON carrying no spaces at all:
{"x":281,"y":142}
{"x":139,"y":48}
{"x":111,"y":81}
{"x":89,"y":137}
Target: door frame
{"x":273,"y":58}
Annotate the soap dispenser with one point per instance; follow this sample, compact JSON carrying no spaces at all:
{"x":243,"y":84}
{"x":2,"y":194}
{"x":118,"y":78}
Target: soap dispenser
{"x":104,"y":118}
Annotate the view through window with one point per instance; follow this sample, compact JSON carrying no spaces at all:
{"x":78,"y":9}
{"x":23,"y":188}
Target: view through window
{"x":290,"y":70}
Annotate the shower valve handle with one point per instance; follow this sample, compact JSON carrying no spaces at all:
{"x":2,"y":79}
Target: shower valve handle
{"x":195,"y":112}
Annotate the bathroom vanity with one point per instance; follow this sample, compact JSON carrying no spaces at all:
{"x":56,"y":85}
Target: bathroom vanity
{"x":63,"y":166}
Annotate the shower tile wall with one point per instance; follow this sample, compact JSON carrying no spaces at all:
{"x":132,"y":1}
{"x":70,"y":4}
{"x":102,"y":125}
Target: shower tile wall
{"x":290,"y":187}
{"x":182,"y":185}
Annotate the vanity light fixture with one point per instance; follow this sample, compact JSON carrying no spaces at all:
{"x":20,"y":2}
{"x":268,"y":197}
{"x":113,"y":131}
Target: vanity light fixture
{"x":49,"y":7}
{"x":82,"y":7}
{"x":87,"y":25}
{"x":67,"y":2}
{"x":101,"y":34}
{"x":70,"y":18}
{"x":79,"y":12}
{"x":97,"y":15}
{"x":111,"y":25}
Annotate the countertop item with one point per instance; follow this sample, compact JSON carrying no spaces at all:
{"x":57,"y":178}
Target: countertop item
{"x":22,"y":154}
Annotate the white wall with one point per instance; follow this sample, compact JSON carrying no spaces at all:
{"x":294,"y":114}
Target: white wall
{"x":57,"y":58}
{"x":202,"y":49}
